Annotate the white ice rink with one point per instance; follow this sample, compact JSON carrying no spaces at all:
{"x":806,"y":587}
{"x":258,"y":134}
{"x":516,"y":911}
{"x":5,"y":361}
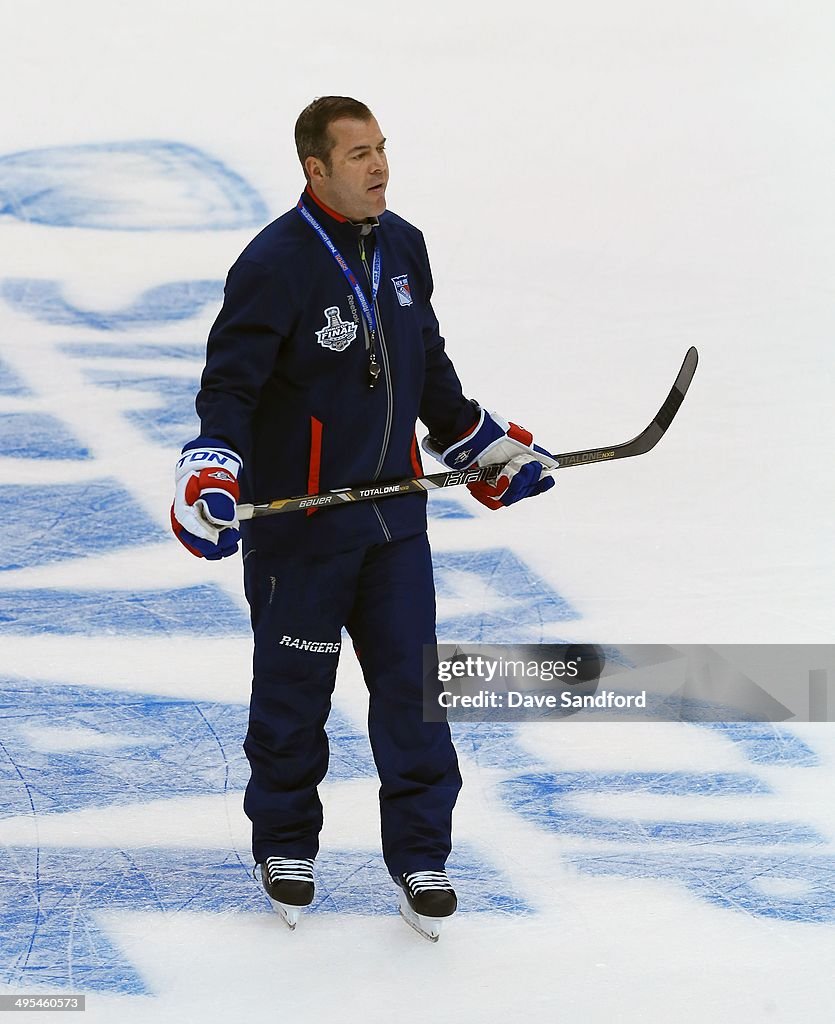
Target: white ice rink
{"x":601,"y":185}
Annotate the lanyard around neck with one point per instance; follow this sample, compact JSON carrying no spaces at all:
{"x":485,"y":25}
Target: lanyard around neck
{"x":376,"y":270}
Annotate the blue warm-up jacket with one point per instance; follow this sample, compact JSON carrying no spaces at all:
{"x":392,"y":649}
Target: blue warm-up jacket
{"x":286,"y":382}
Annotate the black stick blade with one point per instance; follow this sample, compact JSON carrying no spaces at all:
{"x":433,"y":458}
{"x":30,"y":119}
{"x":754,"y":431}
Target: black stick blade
{"x":649,"y":437}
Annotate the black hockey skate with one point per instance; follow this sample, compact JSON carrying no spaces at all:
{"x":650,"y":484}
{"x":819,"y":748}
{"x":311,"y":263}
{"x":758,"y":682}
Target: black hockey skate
{"x":426,"y":899}
{"x":289,"y":884}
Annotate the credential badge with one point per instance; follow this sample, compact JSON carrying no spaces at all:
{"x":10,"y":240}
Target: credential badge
{"x":404,"y":292}
{"x":336,"y":334}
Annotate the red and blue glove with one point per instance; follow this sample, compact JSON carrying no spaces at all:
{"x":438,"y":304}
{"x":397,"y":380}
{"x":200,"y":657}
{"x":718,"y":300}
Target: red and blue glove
{"x":494,"y":441}
{"x":204,"y":515}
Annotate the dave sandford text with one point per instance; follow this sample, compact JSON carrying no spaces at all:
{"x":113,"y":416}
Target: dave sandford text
{"x":476,"y":670}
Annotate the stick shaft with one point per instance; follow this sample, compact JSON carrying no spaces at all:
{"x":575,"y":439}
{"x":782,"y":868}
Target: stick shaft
{"x":639,"y":445}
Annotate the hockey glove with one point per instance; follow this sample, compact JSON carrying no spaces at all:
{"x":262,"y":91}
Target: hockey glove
{"x":204,"y":517}
{"x":494,"y":441}
{"x":520,"y":478}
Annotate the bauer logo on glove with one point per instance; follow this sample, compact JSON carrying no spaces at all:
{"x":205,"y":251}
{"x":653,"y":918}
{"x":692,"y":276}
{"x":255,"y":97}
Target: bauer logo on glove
{"x":495,"y":441}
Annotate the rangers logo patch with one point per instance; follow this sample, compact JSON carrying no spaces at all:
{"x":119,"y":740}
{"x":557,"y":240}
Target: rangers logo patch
{"x":336,"y":334}
{"x":401,"y":287}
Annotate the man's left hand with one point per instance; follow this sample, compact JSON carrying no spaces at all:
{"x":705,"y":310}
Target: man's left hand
{"x":492,"y":440}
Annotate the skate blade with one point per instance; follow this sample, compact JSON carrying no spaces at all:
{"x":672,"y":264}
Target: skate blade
{"x":428,"y":927}
{"x":288,"y":914}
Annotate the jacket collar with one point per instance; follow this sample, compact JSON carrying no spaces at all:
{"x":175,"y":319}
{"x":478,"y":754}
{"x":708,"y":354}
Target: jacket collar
{"x":334,"y":223}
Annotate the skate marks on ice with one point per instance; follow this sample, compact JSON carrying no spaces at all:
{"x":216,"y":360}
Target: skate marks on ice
{"x":489,"y":593}
{"x":551,"y":800}
{"x":69,"y":749}
{"x":117,"y":748}
{"x":50,"y":936}
{"x":44,"y":527}
{"x":37,"y":435}
{"x":43,"y":522}
{"x":715,"y":841}
{"x":194,"y":611}
{"x":11,"y":383}
{"x":785,"y":886}
{"x":139,"y":185}
{"x":528,"y":615}
{"x":765,"y":744}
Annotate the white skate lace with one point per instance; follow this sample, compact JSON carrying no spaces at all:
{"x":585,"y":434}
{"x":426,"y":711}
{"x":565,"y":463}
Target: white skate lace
{"x":421,"y":881}
{"x":282,"y":869}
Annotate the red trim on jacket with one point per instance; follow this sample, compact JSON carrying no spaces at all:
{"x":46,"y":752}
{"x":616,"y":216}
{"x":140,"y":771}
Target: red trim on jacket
{"x":414,"y":455}
{"x":331,"y":213}
{"x":315,"y":459}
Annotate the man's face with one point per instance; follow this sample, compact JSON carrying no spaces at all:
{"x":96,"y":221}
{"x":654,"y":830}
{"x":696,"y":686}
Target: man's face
{"x":359,"y":173}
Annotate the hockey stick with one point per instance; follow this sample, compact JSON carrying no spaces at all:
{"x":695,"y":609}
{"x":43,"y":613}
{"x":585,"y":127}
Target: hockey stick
{"x":639,"y":445}
{"x":648,"y":438}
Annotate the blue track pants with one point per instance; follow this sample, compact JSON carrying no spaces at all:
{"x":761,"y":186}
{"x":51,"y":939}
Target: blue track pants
{"x":384,"y":595}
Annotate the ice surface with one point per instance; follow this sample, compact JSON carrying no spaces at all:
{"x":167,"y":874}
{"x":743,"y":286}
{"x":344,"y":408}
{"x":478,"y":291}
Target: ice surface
{"x":600,"y":186}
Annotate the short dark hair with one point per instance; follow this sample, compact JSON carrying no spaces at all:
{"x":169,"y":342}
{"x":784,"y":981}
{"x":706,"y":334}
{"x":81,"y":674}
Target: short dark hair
{"x":312,"y":135}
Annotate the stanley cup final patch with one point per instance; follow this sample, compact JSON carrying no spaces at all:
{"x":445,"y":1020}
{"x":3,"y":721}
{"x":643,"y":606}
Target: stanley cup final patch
{"x":404,"y":292}
{"x":336,"y":334}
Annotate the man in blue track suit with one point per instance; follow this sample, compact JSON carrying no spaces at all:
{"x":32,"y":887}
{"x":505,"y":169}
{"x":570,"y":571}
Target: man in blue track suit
{"x":324,"y":355}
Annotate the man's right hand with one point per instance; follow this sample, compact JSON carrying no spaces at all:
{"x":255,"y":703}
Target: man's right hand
{"x":204,"y":516}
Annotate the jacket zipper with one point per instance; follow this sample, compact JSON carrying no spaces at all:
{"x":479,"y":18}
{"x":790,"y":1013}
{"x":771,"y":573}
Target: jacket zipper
{"x":388,"y":384}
